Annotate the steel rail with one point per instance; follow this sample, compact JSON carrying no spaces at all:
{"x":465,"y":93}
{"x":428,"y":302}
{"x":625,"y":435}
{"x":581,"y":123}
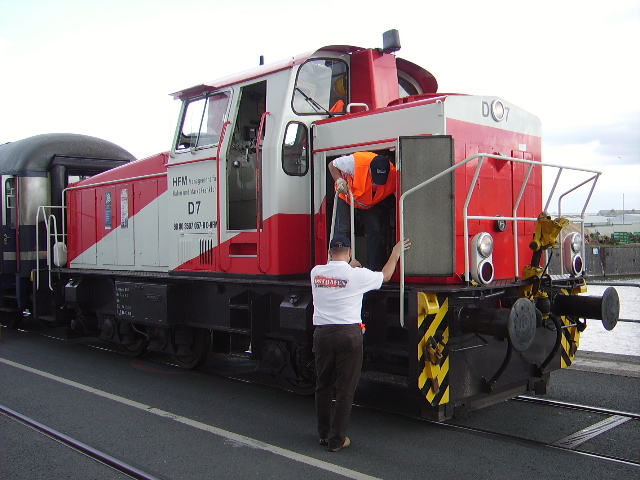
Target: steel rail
{"x":83,"y":448}
{"x":538,"y":443}
{"x":507,"y":436}
{"x":576,"y":406}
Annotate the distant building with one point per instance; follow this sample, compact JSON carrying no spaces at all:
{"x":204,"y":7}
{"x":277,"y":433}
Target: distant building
{"x":606,"y":222}
{"x":617,"y":213}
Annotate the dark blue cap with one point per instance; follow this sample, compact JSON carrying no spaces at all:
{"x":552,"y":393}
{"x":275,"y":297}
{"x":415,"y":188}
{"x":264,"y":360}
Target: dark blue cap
{"x":379,"y":169}
{"x":340,"y":241}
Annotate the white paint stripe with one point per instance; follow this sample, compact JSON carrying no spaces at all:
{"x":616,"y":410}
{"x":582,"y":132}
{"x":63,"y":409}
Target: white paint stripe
{"x":250,"y":442}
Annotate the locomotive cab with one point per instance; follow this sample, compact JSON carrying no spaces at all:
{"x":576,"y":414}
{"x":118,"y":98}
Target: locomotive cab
{"x":255,"y":130}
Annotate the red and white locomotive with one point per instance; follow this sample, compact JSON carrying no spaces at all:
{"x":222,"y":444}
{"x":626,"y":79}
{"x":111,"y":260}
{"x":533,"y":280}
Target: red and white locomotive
{"x":208,"y":247}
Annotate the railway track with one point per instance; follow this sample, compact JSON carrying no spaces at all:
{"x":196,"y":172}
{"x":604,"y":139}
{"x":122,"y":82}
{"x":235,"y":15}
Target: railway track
{"x":571,"y":442}
{"x":568,"y":444}
{"x":78,"y":446}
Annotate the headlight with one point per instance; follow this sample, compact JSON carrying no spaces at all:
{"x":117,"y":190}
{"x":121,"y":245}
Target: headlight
{"x":572,"y":253}
{"x":576,"y":243}
{"x":485,"y":244}
{"x":482,"y":258}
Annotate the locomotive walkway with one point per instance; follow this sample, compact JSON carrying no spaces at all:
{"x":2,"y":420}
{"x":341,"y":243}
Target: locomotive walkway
{"x":174,"y":424}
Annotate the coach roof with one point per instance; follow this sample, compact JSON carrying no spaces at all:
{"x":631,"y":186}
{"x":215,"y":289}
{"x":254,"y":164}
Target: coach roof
{"x":34,"y":156}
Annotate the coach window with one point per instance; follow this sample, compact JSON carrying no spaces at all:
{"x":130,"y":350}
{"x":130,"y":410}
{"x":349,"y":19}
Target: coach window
{"x":10,"y":202}
{"x":321,"y":87}
{"x":202,"y":121}
{"x":295,"y":154}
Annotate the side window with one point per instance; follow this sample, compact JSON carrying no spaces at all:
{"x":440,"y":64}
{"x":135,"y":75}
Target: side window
{"x":202,"y":121}
{"x":321,"y":87}
{"x":10,"y":202}
{"x":295,"y":151}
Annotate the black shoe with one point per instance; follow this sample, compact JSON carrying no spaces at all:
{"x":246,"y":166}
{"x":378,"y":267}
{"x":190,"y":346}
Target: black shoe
{"x":346,"y":443}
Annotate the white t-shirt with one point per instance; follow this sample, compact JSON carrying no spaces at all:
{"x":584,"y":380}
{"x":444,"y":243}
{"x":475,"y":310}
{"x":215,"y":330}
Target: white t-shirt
{"x":346,"y":164}
{"x":337,"y":292}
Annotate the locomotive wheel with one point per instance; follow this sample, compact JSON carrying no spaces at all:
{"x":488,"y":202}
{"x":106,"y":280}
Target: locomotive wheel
{"x":137,"y":349}
{"x":200,"y":348}
{"x":10,"y":319}
{"x":302,"y":386}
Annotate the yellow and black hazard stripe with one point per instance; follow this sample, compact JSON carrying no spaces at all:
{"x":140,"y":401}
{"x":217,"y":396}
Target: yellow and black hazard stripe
{"x":570,"y":334}
{"x":570,"y":341}
{"x":433,"y":358}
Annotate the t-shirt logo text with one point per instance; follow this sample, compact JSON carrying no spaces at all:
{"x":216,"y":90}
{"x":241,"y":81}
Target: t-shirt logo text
{"x":321,"y":281}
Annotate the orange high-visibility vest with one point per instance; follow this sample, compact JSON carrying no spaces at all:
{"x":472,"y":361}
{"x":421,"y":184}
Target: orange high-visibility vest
{"x":361,"y":184}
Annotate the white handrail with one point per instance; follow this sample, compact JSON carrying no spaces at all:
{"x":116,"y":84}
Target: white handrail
{"x":49,"y":221}
{"x":333,"y":222}
{"x":351,"y":105}
{"x":514,"y":218}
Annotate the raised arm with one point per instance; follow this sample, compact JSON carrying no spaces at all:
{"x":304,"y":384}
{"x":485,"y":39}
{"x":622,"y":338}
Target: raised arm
{"x":390,"y":266}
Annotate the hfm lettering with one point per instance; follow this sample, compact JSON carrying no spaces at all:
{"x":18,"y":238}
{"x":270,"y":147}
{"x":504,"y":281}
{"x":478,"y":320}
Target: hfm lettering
{"x":177,"y":181}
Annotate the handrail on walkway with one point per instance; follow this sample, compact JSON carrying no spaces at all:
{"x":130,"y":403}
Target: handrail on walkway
{"x":514,"y":218}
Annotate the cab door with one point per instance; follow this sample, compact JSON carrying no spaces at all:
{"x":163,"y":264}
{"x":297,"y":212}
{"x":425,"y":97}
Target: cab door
{"x":243,"y":159}
{"x":242,"y":230}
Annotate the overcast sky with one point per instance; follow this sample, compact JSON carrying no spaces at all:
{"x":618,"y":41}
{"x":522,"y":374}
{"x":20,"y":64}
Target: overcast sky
{"x":105,"y":68}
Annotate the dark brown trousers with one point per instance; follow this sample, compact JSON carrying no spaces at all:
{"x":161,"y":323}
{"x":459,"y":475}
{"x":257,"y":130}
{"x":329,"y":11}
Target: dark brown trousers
{"x":338,"y":354}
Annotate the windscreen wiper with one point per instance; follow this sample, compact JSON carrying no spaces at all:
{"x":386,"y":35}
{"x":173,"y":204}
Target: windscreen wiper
{"x":313,"y":103}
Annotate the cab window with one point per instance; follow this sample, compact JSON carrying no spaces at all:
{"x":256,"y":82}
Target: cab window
{"x":202,"y":121}
{"x":295,"y":154}
{"x":321,"y":87}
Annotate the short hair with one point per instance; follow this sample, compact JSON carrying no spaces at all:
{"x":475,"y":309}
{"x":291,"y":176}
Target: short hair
{"x":339,"y":250}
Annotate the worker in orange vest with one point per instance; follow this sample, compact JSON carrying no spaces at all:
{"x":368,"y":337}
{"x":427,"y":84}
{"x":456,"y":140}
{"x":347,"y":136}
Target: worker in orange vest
{"x":372,"y":179}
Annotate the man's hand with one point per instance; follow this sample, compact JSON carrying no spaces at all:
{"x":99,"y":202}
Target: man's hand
{"x":390,"y":266}
{"x":401,"y":245}
{"x":355,"y":263}
{"x":342,"y":186}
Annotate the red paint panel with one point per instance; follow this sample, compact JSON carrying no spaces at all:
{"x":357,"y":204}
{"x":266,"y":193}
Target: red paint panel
{"x":285,"y":241}
{"x":81,"y":218}
{"x":374,"y":78}
{"x":497,"y":189}
{"x":90,"y":218}
{"x":146,"y":166}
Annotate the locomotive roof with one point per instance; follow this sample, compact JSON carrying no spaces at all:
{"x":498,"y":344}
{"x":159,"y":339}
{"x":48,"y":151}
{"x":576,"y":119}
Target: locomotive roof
{"x":33,"y":156}
{"x":426,"y":79}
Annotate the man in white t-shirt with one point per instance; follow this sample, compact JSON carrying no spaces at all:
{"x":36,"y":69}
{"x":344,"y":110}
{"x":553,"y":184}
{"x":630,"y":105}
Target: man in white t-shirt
{"x":338,"y":288}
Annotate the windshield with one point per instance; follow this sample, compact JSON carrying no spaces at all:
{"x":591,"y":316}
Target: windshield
{"x":202,"y":122}
{"x":321,"y":87}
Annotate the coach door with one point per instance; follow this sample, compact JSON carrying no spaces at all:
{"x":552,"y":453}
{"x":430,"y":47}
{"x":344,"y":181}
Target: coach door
{"x":9,"y":225}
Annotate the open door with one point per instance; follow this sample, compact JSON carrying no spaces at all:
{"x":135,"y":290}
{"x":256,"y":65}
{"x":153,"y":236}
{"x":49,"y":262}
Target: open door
{"x":428,"y":213}
{"x":243,"y":178}
{"x":242,"y":161}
